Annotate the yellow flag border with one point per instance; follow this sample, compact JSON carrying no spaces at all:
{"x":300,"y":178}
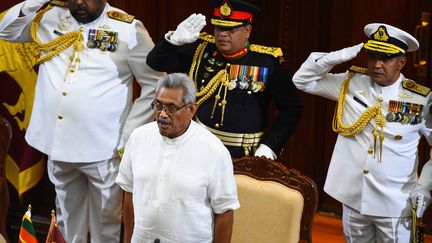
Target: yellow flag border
{"x":24,"y":180}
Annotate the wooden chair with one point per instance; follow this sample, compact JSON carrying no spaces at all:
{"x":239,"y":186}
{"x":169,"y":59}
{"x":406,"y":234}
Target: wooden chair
{"x":5,"y":138}
{"x":276,"y":204}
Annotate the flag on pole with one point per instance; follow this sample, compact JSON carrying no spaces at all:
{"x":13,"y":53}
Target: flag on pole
{"x":27,"y":232}
{"x":54,"y":234}
{"x":24,"y":165}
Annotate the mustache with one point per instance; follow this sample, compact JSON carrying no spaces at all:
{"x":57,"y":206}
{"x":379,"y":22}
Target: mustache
{"x":164,"y":121}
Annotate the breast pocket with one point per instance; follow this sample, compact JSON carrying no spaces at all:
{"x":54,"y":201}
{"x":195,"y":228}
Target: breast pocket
{"x":403,"y":138}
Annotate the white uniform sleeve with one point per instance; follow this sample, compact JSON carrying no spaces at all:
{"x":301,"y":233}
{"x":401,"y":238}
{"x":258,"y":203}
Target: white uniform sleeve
{"x":314,"y":79}
{"x":426,"y":173}
{"x":223,"y":189}
{"x":427,"y":128}
{"x":141,"y":112}
{"x":13,"y":28}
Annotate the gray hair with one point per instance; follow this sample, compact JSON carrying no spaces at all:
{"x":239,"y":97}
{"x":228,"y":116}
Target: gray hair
{"x":176,"y":81}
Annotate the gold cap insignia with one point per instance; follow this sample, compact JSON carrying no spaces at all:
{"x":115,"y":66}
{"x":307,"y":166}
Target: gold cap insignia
{"x":381,"y":34}
{"x":225,"y":9}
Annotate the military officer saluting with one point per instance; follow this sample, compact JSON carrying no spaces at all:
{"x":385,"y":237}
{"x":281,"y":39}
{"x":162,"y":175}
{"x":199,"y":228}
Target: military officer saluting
{"x":380,"y":117}
{"x":83,"y":109}
{"x":235,"y":80}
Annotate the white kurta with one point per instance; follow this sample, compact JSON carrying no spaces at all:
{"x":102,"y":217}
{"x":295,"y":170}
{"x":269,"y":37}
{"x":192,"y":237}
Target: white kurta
{"x":177,"y":184}
{"x":355,"y":177}
{"x":85,"y":116}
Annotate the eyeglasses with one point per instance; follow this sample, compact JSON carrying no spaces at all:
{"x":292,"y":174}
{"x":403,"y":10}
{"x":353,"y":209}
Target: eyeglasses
{"x":169,"y":109}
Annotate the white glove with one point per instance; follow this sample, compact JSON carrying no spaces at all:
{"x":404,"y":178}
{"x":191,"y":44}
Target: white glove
{"x":422,"y":197}
{"x":187,"y":31}
{"x":336,"y":57}
{"x":421,"y":194}
{"x":32,"y":6}
{"x":264,"y":150}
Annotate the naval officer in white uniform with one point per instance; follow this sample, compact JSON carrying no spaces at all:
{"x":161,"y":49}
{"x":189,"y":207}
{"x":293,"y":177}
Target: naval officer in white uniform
{"x":83,"y":110}
{"x":380,"y":117}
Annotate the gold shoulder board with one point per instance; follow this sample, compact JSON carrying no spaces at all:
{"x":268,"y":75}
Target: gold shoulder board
{"x":124,"y":17}
{"x":206,"y":37}
{"x":415,"y":87}
{"x":58,"y":3}
{"x":358,"y":69}
{"x":272,"y":51}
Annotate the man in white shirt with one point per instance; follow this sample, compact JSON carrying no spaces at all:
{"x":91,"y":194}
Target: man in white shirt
{"x":380,"y":117}
{"x":177,"y":176}
{"x":83,"y":110}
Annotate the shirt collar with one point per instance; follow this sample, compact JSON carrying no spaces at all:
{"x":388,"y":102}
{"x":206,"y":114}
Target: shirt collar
{"x":180,"y":139}
{"x":389,"y":91}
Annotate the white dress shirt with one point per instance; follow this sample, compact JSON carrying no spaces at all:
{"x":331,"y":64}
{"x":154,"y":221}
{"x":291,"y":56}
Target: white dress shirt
{"x":177,"y":184}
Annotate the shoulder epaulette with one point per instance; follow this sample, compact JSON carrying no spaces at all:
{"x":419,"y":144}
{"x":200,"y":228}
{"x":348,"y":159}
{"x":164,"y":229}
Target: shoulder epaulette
{"x":415,"y":87}
{"x":358,"y":69}
{"x":124,"y":17}
{"x":207,"y":37}
{"x":59,"y":3}
{"x":272,"y":51}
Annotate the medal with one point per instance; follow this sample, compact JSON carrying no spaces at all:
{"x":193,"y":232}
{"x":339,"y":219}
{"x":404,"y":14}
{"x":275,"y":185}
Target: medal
{"x":103,"y":40}
{"x":391,"y":117}
{"x":399,"y":117}
{"x":211,"y":61}
{"x":404,"y":112}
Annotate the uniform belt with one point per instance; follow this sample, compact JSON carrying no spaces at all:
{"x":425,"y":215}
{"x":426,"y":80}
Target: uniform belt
{"x":236,"y":139}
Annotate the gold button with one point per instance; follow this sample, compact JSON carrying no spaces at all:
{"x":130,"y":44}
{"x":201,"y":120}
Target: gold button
{"x":380,"y":99}
{"x":365,"y":171}
{"x":202,"y":81}
{"x":370,"y":151}
{"x":64,"y":93}
{"x":219,"y":104}
{"x":398,"y":137}
{"x":249,"y":92}
{"x":217,"y":125}
{"x":60,"y":117}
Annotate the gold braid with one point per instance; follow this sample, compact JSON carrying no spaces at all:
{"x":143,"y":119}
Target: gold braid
{"x":220,"y":78}
{"x":358,"y":126}
{"x":59,"y":44}
{"x":196,"y":61}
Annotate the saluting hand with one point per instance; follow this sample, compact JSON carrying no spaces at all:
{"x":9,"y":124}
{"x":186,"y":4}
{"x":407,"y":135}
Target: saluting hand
{"x":336,"y":57}
{"x":187,"y":31}
{"x":32,"y":6}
